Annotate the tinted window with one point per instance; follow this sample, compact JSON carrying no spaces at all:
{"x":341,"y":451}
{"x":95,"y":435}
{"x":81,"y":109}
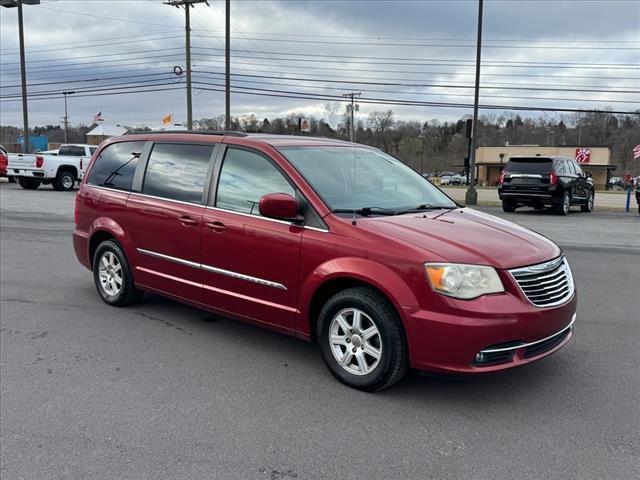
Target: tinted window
{"x":244,"y":178}
{"x":92,"y":150}
{"x":559,"y":167}
{"x":116,"y":165}
{"x":72,"y":151}
{"x":577,"y":168}
{"x":177,"y":171}
{"x":529,"y":165}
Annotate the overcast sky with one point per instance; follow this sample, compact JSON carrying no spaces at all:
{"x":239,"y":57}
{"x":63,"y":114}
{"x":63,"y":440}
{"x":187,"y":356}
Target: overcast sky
{"x":310,"y":48}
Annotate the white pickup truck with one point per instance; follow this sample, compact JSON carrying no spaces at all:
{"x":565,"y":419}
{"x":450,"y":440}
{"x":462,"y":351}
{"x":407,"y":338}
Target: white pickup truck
{"x":62,"y":170}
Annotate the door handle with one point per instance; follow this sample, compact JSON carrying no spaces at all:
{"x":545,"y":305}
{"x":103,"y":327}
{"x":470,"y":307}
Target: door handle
{"x":187,"y":220}
{"x":216,"y":226}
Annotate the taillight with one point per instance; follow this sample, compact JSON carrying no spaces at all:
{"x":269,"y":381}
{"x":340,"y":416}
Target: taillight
{"x":553,"y":178}
{"x":39,"y":161}
{"x":81,"y":168}
{"x":501,"y":178}
{"x":75,"y":211}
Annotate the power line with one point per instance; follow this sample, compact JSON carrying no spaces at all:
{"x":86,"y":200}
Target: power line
{"x":439,"y":45}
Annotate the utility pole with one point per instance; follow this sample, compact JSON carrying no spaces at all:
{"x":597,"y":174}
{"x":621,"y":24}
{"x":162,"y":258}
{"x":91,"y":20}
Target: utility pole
{"x":471,"y":197}
{"x":353,"y":107}
{"x":66,"y":116}
{"x":187,"y":4}
{"x":26,"y":148}
{"x":227,"y":66}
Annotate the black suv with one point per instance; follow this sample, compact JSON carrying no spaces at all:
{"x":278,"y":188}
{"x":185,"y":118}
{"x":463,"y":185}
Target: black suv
{"x":537,"y":182}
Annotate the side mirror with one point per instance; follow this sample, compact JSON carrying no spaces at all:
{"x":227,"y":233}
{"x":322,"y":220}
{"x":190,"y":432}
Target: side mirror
{"x":280,"y":206}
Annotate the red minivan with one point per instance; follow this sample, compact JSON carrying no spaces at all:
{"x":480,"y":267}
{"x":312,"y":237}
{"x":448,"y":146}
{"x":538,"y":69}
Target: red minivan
{"x":333,"y":242}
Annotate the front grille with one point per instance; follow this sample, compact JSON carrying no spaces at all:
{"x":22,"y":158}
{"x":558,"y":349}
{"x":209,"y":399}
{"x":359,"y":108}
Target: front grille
{"x":546,"y":284}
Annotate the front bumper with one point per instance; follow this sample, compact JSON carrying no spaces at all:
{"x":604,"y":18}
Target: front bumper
{"x":450,"y":342}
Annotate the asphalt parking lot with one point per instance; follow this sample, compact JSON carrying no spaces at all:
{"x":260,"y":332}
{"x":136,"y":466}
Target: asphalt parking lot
{"x":161,"y":390}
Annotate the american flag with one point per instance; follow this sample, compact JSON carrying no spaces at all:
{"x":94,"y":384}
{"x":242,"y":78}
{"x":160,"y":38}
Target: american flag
{"x":636,"y":152}
{"x":583,"y":155}
{"x":98,"y":118}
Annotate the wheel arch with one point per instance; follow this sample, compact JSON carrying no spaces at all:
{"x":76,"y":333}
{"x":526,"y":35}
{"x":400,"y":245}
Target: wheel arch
{"x":68,"y":168}
{"x":107,"y":229}
{"x":316,"y":292}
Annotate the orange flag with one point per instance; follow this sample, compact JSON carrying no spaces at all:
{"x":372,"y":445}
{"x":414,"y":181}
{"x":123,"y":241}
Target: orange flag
{"x":166,"y":120}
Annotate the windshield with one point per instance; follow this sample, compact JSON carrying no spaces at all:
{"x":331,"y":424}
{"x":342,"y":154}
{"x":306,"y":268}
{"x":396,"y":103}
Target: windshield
{"x":350,"y":178}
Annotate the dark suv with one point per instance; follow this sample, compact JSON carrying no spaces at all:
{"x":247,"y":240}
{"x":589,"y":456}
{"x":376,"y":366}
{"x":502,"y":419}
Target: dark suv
{"x":537,"y":182}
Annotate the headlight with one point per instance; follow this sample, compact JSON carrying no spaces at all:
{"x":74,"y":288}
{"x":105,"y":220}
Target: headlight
{"x":463,"y":281}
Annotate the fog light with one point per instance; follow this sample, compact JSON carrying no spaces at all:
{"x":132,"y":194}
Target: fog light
{"x":479,"y":357}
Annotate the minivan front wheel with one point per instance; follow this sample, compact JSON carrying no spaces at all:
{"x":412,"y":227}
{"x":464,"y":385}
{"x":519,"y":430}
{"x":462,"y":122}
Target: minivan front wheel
{"x":361,"y":339}
{"x":112,"y":275}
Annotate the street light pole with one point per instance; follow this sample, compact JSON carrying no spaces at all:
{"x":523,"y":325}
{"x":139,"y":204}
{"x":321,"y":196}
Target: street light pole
{"x":471,"y":197}
{"x":66,"y":116}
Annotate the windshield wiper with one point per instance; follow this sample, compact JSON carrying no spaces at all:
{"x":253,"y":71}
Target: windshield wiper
{"x":426,"y":206}
{"x":365,"y":211}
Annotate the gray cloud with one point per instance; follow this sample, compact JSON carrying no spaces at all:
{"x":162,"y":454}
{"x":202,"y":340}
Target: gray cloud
{"x":308,"y":26}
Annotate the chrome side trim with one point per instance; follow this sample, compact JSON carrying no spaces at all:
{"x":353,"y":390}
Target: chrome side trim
{"x":209,"y":268}
{"x":249,"y":215}
{"x":284,"y":222}
{"x":162,"y":256}
{"x":241,"y":276}
{"x":164,"y":199}
{"x":524,"y":345}
{"x":206,"y":207}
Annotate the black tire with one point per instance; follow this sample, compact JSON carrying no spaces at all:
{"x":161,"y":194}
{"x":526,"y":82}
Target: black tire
{"x":538,"y":206}
{"x":392,"y":363}
{"x":127,"y":293}
{"x":562,"y":207}
{"x":508,"y":206}
{"x":588,"y":207}
{"x":64,"y":181}
{"x":28,"y":183}
{"x":12,"y":179}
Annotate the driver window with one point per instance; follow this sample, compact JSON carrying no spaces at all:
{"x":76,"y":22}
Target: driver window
{"x":244,"y":178}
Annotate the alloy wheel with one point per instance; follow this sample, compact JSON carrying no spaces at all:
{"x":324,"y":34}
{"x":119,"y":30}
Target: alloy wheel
{"x":67,"y":182}
{"x":355,"y":341}
{"x":110,"y":274}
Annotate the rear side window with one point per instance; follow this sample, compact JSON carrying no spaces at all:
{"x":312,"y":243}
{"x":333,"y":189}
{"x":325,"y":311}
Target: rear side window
{"x":244,"y":178}
{"x":559,"y":166}
{"x":72,"y":151}
{"x":529,"y":165}
{"x":92,"y":150}
{"x":177,"y":171}
{"x":116,"y":165}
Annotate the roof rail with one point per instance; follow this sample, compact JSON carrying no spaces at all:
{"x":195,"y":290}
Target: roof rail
{"x":228,"y":133}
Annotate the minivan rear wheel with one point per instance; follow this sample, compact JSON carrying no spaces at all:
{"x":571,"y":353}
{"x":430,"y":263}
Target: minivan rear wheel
{"x":112,"y":275}
{"x":361,"y":339}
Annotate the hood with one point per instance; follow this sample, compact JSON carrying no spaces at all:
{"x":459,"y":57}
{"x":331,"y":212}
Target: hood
{"x":467,"y":236}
